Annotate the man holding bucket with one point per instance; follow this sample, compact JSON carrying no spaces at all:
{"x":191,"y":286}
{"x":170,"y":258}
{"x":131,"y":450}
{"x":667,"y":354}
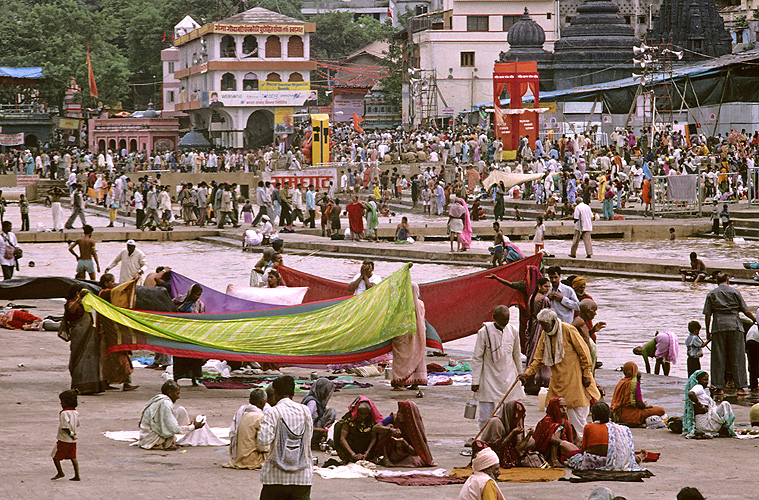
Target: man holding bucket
{"x":496,"y":364}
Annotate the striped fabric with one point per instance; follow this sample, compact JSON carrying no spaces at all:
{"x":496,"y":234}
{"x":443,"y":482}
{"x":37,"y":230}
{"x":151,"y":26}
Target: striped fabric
{"x":350,"y":330}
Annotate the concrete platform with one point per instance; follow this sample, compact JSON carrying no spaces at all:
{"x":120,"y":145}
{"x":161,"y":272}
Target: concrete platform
{"x":118,"y":234}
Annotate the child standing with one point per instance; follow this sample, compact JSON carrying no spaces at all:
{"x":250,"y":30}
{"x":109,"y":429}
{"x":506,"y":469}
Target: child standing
{"x":23,"y":204}
{"x":694,"y":345}
{"x":65,"y":447}
{"x":247,"y":212}
{"x":539,"y":238}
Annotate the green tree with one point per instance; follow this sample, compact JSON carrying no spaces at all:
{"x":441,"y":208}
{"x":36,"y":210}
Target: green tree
{"x":337,"y":35}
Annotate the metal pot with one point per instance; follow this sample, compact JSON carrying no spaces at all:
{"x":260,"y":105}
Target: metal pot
{"x":470,"y":410}
{"x":388,"y":373}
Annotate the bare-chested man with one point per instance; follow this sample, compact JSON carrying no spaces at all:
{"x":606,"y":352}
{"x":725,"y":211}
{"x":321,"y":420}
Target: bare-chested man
{"x":697,"y":271}
{"x":584,"y":324}
{"x":87,"y":259}
{"x":498,"y":245}
{"x":158,"y":278}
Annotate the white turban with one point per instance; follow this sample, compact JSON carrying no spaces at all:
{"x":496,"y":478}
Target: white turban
{"x":485,"y":459}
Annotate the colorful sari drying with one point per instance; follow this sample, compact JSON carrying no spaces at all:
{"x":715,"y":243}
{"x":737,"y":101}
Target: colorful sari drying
{"x":446,"y":300}
{"x":348,"y":331}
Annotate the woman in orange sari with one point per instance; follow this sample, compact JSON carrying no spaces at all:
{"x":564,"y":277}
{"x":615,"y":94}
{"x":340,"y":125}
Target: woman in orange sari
{"x":627,"y":404}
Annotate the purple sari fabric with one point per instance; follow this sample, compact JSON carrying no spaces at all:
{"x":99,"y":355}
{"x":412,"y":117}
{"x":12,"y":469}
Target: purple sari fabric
{"x":215,"y":301}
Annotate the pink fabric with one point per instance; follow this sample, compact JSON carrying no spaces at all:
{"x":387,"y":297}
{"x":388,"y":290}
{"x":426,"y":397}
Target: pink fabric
{"x":376,"y":415}
{"x":409,"y":364}
{"x":466,"y":234}
{"x":666,"y":347}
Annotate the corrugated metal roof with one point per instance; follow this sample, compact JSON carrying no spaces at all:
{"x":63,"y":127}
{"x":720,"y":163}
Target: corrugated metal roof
{"x":700,"y":68}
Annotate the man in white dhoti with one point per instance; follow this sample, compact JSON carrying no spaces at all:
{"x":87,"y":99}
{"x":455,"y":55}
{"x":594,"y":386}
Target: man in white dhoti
{"x":161,"y":422}
{"x":496,"y":363}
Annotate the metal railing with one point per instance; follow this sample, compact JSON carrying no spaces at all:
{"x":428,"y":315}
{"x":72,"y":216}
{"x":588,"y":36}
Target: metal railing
{"x":667,"y":200}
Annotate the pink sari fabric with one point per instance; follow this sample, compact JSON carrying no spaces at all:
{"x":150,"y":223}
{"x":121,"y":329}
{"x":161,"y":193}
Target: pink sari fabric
{"x":409,"y":364}
{"x":466,"y":235}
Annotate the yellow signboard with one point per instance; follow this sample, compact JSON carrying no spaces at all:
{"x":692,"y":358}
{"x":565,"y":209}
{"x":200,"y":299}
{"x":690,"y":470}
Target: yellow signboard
{"x":284,"y":86}
{"x":283,"y":120}
{"x":550,"y":105}
{"x":319,"y":139}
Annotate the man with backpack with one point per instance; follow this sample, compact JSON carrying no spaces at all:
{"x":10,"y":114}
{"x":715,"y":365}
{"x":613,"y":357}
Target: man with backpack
{"x":288,"y":427}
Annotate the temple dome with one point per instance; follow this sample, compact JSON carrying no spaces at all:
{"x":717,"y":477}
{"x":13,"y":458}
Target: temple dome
{"x":150,"y":112}
{"x":526,"y":33}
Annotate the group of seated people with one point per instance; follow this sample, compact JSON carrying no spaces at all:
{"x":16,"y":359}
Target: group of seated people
{"x":397,"y":440}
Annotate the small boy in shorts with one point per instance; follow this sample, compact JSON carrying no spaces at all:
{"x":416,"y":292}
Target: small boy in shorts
{"x":65,"y":447}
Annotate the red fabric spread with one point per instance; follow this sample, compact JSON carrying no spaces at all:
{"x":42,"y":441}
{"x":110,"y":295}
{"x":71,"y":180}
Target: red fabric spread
{"x":455,"y":307}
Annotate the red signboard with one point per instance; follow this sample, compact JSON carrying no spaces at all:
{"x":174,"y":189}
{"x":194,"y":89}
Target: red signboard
{"x":516,"y":78}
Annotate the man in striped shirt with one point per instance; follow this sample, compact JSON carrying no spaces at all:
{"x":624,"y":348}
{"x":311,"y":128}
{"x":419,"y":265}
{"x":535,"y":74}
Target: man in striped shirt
{"x":287,"y":473}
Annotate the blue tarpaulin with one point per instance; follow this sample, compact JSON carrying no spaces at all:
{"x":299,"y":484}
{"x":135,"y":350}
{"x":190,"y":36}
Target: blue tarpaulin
{"x":34,"y":72}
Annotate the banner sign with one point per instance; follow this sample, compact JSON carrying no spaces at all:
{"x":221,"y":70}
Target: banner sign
{"x":257,"y":98}
{"x":11,"y":139}
{"x":260,"y":29}
{"x":317,"y":177}
{"x":283,"y":120}
{"x":68,"y":123}
{"x":269,"y":86}
{"x":319,"y":139}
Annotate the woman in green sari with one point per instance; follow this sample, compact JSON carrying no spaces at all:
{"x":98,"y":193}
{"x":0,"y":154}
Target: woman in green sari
{"x":372,"y":221}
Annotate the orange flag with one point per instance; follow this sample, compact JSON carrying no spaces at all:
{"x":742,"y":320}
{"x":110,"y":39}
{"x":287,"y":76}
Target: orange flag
{"x":356,"y":120}
{"x":93,"y":86}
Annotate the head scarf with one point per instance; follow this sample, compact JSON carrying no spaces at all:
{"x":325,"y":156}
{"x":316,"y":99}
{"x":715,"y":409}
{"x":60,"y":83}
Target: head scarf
{"x":689,"y":414}
{"x":412,"y":430}
{"x":361,"y":400}
{"x":578,"y":282}
{"x":549,"y":424}
{"x":550,"y":357}
{"x":601,"y":493}
{"x":627,"y":392}
{"x":485,"y":459}
{"x":320,"y":391}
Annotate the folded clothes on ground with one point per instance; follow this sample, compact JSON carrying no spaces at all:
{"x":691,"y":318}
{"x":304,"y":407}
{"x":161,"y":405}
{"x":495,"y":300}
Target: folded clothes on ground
{"x":210,"y":436}
{"x":587,"y":476}
{"x":448,"y":379}
{"x":517,"y":474}
{"x":301,"y":385}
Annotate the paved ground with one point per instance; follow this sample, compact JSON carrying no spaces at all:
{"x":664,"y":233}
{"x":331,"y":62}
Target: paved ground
{"x":721,"y":468}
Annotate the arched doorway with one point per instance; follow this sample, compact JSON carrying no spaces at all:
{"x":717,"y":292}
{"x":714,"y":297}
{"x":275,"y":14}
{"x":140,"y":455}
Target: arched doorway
{"x":112,"y":144}
{"x":259,"y":130}
{"x":30,"y":141}
{"x":101,"y":146}
{"x":122,"y":145}
{"x":133,"y":146}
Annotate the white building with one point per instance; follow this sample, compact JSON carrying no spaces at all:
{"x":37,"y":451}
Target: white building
{"x":170,"y":63}
{"x":242,"y":78}
{"x":453,"y":52}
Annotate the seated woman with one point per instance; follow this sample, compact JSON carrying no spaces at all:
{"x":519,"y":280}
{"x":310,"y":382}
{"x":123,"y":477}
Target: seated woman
{"x":354,"y":438}
{"x":316,"y":400}
{"x":402,"y":231}
{"x":627,"y":404}
{"x":554,"y":437}
{"x":401,"y":440}
{"x":606,"y":445}
{"x":702,"y":417}
{"x":263,"y":264}
{"x":274,"y":280}
{"x":504,"y":434}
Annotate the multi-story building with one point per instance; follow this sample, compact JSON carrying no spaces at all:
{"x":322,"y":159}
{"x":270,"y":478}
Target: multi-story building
{"x":242,"y":78}
{"x":452,"y":53}
{"x":380,"y":10}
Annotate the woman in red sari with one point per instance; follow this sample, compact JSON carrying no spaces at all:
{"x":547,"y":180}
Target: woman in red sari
{"x":554,"y":436}
{"x":402,"y":441}
{"x":356,"y":218}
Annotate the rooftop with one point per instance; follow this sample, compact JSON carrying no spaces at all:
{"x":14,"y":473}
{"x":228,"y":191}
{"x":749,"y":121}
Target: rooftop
{"x":260,"y":15}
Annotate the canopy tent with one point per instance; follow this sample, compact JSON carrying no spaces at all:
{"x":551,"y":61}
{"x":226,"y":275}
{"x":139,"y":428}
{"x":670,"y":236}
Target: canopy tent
{"x":455,"y":307}
{"x":509,"y":179}
{"x":19,"y":76}
{"x":347,"y":331}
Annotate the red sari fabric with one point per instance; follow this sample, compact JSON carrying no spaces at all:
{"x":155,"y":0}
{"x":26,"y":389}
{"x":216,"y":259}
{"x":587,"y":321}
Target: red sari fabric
{"x":355,"y":218}
{"x":412,"y":430}
{"x":548,"y":425}
{"x":456,"y":307}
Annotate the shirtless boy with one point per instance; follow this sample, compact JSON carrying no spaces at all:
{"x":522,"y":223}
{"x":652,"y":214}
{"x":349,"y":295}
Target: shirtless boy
{"x":697,"y":271}
{"x":87,"y":259}
{"x":498,"y":250}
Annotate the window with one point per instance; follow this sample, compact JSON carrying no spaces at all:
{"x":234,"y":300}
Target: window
{"x":250,"y":82}
{"x":171,"y":96}
{"x":228,"y":82}
{"x":171,"y":66}
{"x":641,"y":19}
{"x":508,"y":22}
{"x":250,"y":46}
{"x":628,"y":20}
{"x":273,"y":47}
{"x":420,"y":10}
{"x":228,"y":47}
{"x":548,"y":16}
{"x":569,"y":20}
{"x":477,"y":23}
{"x":467,"y":59}
{"x":295,"y":46}
{"x":295,"y":77}
{"x":273,"y":77}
